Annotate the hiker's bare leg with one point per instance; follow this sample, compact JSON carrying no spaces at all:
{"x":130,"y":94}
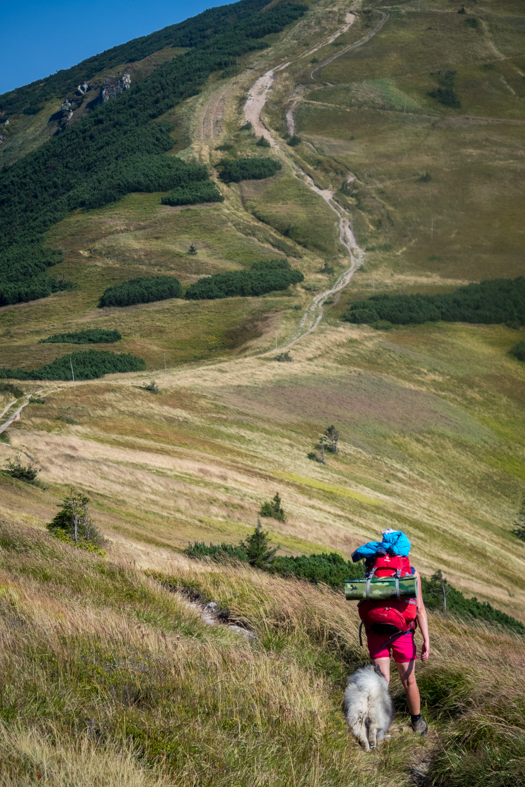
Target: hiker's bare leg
{"x":407,"y":673}
{"x":384,"y":666}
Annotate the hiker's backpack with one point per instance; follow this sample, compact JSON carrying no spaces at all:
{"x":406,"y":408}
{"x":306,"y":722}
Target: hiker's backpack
{"x":392,"y":616}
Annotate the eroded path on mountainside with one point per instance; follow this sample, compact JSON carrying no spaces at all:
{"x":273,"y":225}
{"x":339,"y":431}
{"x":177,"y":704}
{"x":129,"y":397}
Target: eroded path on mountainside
{"x":253,"y":109}
{"x":15,"y":415}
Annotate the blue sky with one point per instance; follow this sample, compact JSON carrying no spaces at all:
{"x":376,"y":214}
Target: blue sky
{"x":39,"y":37}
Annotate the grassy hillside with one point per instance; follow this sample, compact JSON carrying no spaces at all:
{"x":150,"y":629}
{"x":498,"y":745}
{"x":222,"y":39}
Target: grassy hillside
{"x":111,"y":677}
{"x":436,"y":188}
{"x":432,"y":442}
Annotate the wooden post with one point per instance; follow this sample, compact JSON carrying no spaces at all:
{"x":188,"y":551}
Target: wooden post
{"x":72,"y":373}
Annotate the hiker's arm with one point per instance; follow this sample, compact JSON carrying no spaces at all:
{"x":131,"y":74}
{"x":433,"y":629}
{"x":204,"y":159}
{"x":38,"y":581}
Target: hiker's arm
{"x":422,"y":622}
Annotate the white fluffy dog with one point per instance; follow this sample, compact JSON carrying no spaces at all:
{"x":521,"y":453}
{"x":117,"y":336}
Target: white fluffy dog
{"x":368,"y":707}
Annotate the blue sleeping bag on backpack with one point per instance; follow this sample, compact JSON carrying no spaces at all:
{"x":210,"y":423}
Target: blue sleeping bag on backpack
{"x":394,"y":543}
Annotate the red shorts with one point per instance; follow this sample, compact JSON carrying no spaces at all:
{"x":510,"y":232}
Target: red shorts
{"x":403,"y":648}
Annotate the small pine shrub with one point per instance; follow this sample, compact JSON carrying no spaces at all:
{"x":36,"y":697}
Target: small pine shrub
{"x":518,"y":351}
{"x":74,"y":525}
{"x":519,"y":524}
{"x":294,"y":141}
{"x":12,"y":390}
{"x":262,"y":142}
{"x":16,"y":469}
{"x":273,"y":509}
{"x":259,"y":551}
{"x":284,"y":357}
{"x":218,"y":552}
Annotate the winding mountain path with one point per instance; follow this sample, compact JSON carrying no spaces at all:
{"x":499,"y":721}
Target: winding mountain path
{"x":253,"y":108}
{"x":16,"y":414}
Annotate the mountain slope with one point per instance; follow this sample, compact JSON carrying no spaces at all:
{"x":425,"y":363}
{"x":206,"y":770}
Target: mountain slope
{"x":383,"y":189}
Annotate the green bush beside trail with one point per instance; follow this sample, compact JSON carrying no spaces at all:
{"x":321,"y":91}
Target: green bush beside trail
{"x":492,"y":301}
{"x":518,"y":351}
{"x":193,"y":194}
{"x":263,"y":277}
{"x":458,"y":604}
{"x":89,"y":336}
{"x":87,"y":365}
{"x":331,"y":569}
{"x":235,"y":170}
{"x":145,"y":289}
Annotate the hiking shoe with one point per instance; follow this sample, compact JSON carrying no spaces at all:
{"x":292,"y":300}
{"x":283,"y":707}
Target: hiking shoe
{"x":420,"y":726}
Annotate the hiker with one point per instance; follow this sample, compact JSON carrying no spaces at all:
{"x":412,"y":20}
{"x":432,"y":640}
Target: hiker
{"x":390,"y":623}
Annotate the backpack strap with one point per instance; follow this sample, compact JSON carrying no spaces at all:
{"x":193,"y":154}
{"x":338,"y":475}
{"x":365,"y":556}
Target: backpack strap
{"x":368,"y":580}
{"x":397,"y":576}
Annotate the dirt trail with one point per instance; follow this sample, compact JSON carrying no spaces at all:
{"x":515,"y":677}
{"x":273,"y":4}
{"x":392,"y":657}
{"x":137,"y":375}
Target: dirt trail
{"x":362,"y":41}
{"x":6,"y":409}
{"x":16,"y":415}
{"x":252,"y":112}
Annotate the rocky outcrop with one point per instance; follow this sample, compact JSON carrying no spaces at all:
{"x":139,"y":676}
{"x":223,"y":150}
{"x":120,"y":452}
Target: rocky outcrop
{"x":2,"y":138}
{"x":114,"y":85}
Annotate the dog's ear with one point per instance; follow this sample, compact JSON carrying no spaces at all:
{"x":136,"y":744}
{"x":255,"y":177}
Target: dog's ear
{"x":378,"y":671}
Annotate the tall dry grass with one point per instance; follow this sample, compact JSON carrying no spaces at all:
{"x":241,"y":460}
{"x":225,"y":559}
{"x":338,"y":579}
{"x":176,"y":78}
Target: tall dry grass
{"x":112,"y":672}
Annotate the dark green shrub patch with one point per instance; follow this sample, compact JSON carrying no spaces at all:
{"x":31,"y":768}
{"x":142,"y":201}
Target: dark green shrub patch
{"x":218,"y":552}
{"x":16,"y":469}
{"x":235,"y":170}
{"x":262,"y":278}
{"x":518,"y":351}
{"x":274,"y":509}
{"x":136,"y":173}
{"x":445,"y":93}
{"x":74,"y":525}
{"x":492,"y":301}
{"x":202,"y":191}
{"x":331,"y":569}
{"x":142,"y":290}
{"x":87,"y":365}
{"x":12,"y":390}
{"x":89,"y":336}
{"x":458,"y":604}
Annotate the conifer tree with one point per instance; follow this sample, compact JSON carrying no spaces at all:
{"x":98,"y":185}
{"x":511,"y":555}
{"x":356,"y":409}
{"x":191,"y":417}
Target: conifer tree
{"x":273,"y":509}
{"x":73,"y":522}
{"x":258,"y":547}
{"x":519,"y":524}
